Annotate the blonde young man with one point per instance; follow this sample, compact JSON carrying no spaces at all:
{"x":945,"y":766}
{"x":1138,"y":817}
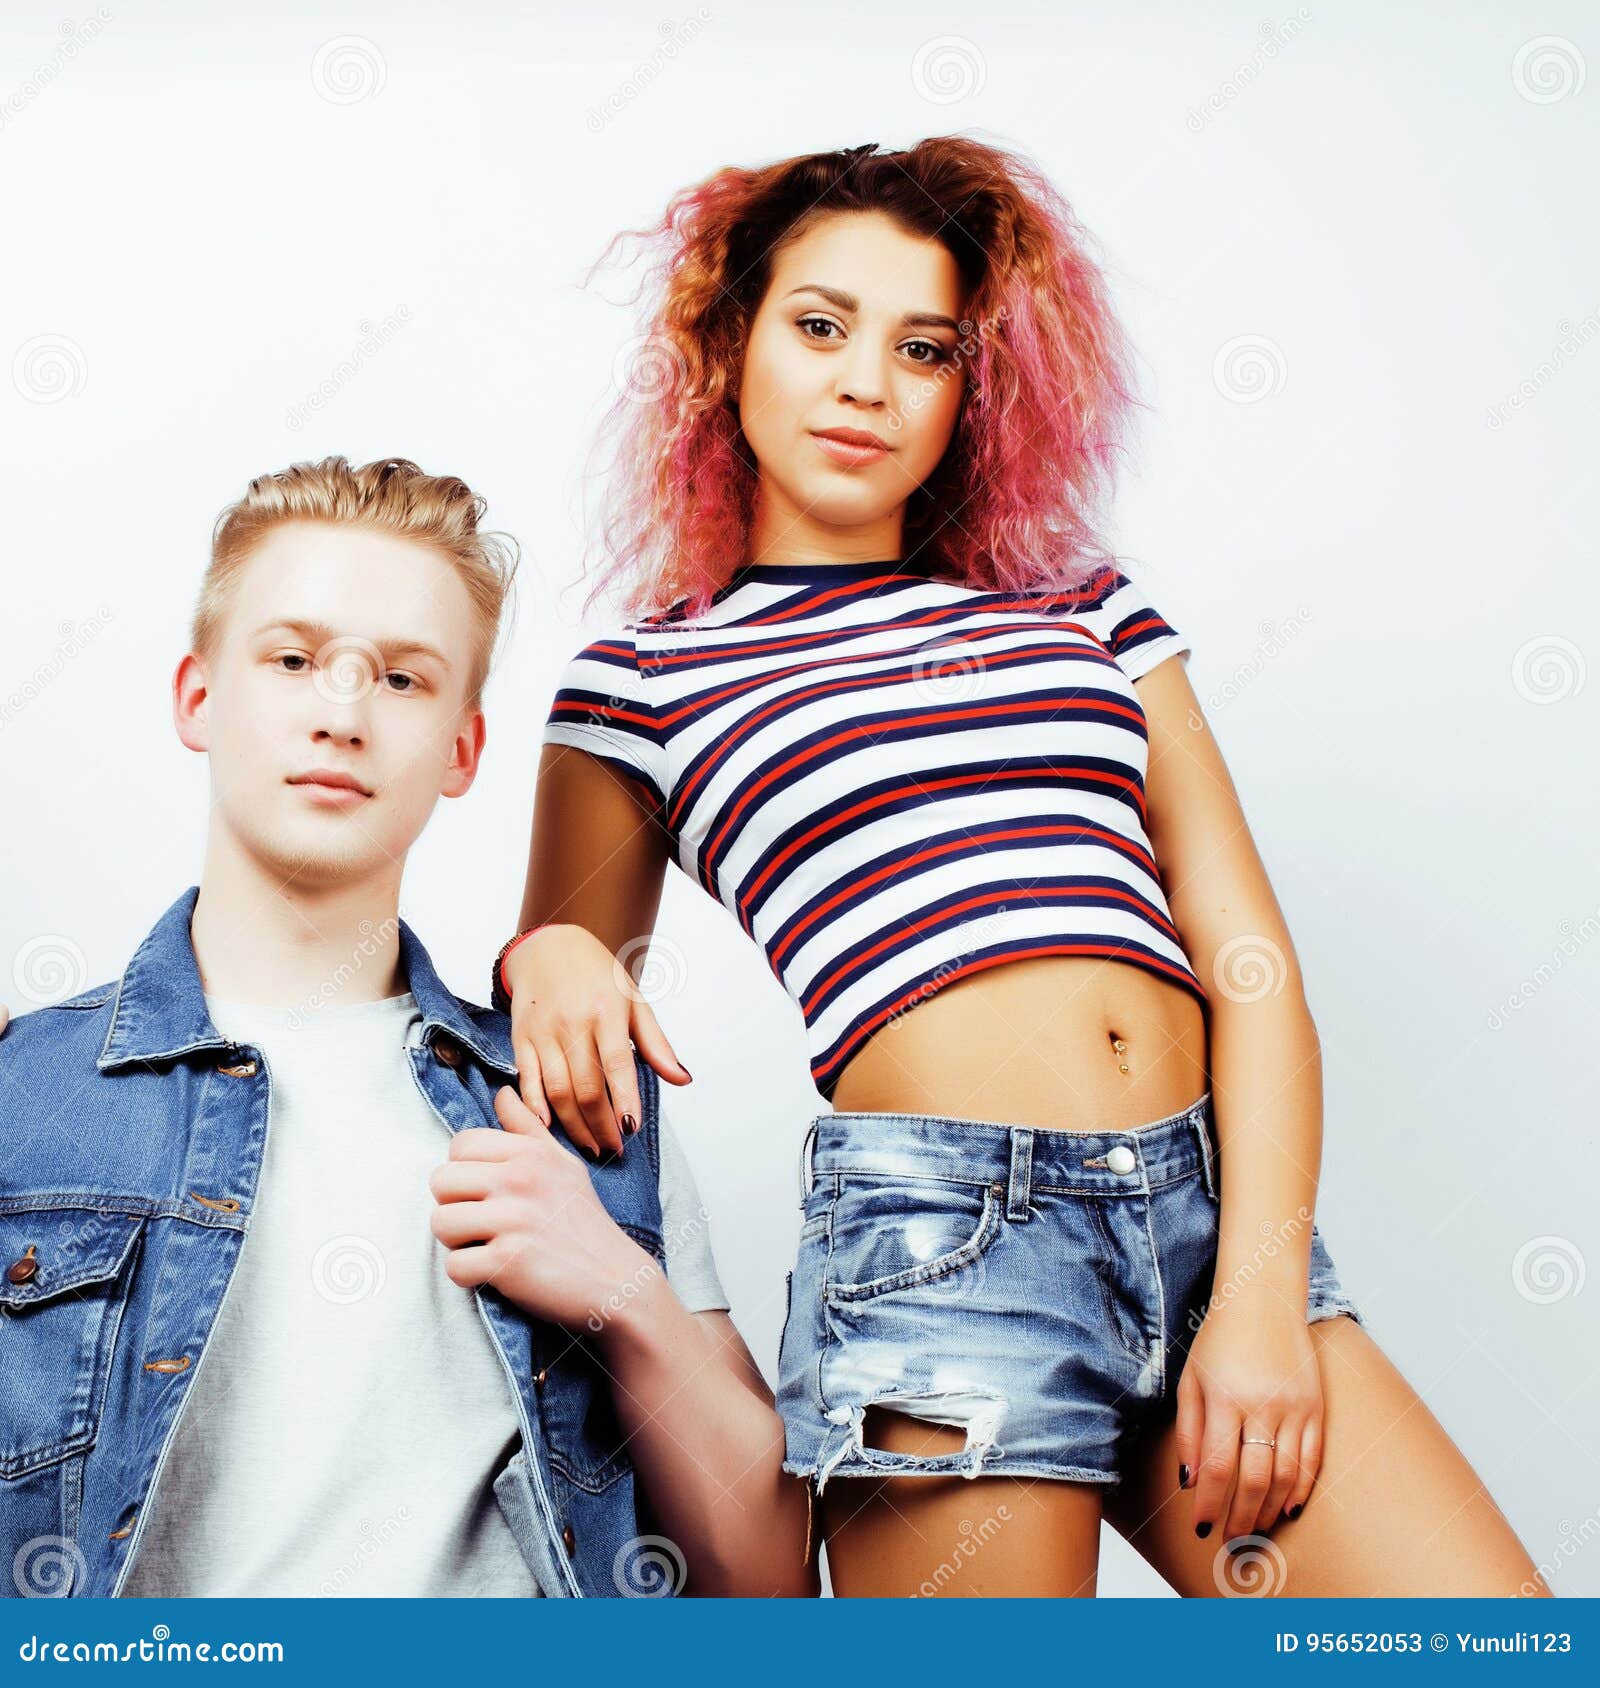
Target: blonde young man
{"x":296,"y":1296}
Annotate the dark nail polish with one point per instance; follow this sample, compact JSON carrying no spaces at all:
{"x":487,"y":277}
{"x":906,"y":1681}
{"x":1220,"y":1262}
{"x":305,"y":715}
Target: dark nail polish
{"x":1203,"y":1530}
{"x":1295,"y":1510}
{"x":691,"y":1075}
{"x":629,"y":1124}
{"x":1183,"y":1476}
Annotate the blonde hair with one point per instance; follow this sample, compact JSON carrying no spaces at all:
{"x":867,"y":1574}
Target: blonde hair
{"x":389,"y":495}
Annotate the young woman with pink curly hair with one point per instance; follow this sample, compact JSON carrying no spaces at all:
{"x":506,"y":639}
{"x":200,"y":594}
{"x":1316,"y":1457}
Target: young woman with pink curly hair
{"x":886,"y":696}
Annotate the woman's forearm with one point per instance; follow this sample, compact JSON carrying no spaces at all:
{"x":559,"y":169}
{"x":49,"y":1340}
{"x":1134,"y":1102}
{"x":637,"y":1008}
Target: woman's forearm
{"x":1266,"y":1086}
{"x":708,"y":1449}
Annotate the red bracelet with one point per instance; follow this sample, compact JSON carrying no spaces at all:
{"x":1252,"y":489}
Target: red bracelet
{"x":500,"y":994}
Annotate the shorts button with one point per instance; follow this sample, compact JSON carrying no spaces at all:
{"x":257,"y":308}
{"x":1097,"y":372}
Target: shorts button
{"x":1121,"y":1159}
{"x":568,"y":1540}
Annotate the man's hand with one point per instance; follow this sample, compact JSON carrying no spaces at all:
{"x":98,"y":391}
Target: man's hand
{"x":517,"y":1211}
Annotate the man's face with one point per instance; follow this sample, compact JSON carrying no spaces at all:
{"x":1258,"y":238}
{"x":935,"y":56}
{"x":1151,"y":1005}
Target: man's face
{"x":344,"y":655}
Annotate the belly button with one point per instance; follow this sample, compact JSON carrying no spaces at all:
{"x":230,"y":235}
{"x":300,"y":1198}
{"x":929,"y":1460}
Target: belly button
{"x":1121,"y":1049}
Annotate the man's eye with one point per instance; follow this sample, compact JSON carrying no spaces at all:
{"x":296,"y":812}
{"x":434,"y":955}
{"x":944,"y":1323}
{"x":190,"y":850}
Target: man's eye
{"x":405,"y":682}
{"x":291,"y":657}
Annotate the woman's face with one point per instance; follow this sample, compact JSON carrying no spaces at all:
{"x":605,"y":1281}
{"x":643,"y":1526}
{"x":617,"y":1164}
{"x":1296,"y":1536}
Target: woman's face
{"x":859,"y":330}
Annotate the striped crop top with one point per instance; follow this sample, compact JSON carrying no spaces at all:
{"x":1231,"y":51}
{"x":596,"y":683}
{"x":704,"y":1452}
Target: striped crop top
{"x":892,"y":780}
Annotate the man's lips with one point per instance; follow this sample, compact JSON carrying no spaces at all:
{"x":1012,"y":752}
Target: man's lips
{"x":329,"y":782}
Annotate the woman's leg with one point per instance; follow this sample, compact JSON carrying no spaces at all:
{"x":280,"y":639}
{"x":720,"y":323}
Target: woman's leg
{"x":1395,"y":1510}
{"x":956,"y":1535}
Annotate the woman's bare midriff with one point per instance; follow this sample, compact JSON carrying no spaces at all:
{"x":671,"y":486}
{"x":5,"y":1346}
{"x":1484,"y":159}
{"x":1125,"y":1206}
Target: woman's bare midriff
{"x":1080,"y":1043}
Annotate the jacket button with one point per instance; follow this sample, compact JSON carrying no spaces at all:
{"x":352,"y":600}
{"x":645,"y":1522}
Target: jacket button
{"x":23,"y":1271}
{"x":569,"y":1541}
{"x":446,"y":1050}
{"x":240,"y":1069}
{"x":540,"y":1376}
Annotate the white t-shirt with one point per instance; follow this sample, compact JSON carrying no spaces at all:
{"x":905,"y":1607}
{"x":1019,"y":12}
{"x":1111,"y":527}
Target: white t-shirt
{"x":351,"y":1412}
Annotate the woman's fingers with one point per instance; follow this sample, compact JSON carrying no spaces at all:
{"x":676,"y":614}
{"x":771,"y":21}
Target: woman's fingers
{"x":589,"y":1089}
{"x":558,"y":1087}
{"x":1310,"y":1464}
{"x":530,"y":1076}
{"x":1189,"y":1425}
{"x":1256,"y":1464}
{"x":5,"y":1018}
{"x":1219,"y":1462}
{"x":1285,"y":1472}
{"x":651,"y":1043}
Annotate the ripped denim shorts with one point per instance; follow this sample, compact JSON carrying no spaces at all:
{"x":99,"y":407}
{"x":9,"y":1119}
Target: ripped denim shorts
{"x":1036,"y":1288}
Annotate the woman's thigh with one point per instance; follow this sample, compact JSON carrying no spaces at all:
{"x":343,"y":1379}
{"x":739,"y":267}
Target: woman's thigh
{"x":1396,"y":1508}
{"x":958,"y":1536}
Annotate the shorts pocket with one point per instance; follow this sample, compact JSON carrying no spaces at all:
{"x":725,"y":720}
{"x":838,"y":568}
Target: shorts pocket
{"x":63,"y":1285}
{"x":894,"y":1233}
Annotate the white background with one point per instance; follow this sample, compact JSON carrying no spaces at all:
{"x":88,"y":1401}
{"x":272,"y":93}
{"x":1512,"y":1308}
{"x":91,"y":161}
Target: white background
{"x":1357,"y":256}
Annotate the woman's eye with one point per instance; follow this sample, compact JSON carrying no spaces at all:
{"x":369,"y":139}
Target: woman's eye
{"x":936,"y":352}
{"x":822,"y":321}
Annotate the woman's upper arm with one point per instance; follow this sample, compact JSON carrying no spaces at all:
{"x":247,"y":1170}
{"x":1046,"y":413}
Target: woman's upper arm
{"x":1215,"y":881}
{"x":598,"y":851}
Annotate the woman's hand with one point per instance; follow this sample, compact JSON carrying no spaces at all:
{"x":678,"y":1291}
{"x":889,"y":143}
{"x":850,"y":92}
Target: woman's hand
{"x":1251,"y":1371}
{"x":574,"y":1008}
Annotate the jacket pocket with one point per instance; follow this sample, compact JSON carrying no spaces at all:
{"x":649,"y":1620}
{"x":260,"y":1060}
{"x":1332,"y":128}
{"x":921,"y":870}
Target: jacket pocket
{"x":64,"y":1282}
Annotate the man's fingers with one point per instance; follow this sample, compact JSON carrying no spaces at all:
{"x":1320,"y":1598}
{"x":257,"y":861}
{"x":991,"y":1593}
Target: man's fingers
{"x":515,"y":1114}
{"x":651,"y":1043}
{"x":480,"y":1143}
{"x":5,"y":1018}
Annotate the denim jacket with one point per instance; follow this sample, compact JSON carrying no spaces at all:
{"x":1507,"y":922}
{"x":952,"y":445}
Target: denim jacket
{"x":131,"y":1137}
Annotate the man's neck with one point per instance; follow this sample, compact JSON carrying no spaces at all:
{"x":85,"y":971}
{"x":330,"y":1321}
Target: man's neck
{"x":259,"y":940}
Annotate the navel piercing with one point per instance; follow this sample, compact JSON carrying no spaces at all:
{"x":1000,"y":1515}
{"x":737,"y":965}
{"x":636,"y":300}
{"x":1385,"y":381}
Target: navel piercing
{"x":1121,"y":1049}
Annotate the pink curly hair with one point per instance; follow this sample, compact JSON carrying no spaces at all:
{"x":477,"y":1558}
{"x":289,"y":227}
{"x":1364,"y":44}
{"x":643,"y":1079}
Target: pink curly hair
{"x":1049,"y":391}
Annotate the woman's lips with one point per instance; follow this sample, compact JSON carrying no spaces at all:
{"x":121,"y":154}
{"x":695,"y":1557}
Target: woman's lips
{"x":851,"y":456}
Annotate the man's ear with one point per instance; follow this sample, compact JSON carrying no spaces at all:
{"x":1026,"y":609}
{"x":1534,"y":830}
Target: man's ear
{"x":466,"y":752}
{"x":189,"y":700}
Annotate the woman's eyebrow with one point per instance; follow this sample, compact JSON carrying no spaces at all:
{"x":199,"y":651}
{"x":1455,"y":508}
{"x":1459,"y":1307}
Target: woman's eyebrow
{"x":849,"y":302}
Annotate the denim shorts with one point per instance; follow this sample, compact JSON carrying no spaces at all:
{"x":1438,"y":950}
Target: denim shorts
{"x":1036,"y":1288}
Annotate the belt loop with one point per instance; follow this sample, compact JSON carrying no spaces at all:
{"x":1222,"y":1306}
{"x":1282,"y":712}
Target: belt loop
{"x":805,"y":1159}
{"x":1202,"y":1130}
{"x":1020,"y":1184}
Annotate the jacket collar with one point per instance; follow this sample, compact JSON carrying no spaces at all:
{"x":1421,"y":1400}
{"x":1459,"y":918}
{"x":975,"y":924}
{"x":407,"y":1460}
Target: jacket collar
{"x":160,"y":1009}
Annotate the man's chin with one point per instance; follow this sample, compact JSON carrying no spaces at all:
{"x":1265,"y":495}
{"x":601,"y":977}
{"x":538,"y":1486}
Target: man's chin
{"x":316,"y":863}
